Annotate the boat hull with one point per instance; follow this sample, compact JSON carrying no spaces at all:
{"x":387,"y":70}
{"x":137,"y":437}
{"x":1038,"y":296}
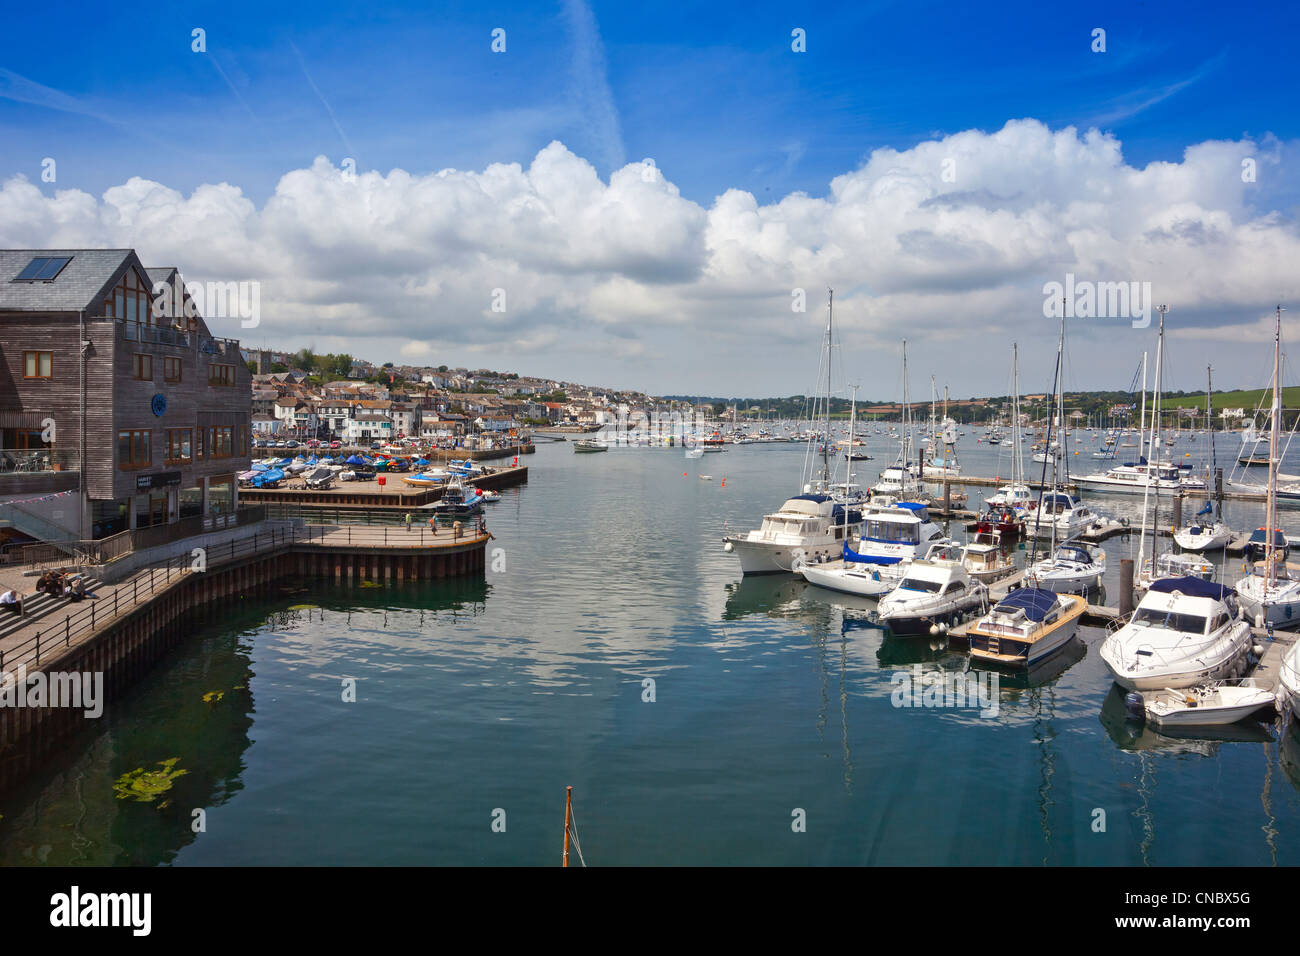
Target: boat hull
{"x":999,"y":650}
{"x":1226,"y":662}
{"x":767,"y":557}
{"x":908,"y":623}
{"x":864,"y":580}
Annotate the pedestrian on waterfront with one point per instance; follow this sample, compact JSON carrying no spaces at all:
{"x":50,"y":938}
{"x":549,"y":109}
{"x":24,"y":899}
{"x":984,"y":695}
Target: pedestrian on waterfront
{"x":455,"y":530}
{"x":408,"y":521}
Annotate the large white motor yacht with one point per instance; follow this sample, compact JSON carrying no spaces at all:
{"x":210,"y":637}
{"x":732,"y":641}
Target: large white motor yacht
{"x":1184,"y":631}
{"x":808,"y":528}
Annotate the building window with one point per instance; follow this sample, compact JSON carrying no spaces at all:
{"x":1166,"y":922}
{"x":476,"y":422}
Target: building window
{"x":38,"y":364}
{"x":171,"y":369}
{"x":134,"y":449}
{"x":221,"y":375}
{"x":199,"y":445}
{"x":142,"y":367}
{"x":179,"y":445}
{"x":220,"y":441}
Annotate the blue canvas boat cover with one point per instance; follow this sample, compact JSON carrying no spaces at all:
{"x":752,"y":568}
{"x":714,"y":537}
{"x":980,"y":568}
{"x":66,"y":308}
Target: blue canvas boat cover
{"x":1192,"y":587}
{"x":853,"y":557}
{"x":1035,"y":602}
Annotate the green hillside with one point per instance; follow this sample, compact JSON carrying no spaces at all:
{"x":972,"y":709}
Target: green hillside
{"x":1249,"y":400}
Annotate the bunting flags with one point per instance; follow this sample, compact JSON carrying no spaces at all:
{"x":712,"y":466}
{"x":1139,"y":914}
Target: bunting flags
{"x":28,"y":501}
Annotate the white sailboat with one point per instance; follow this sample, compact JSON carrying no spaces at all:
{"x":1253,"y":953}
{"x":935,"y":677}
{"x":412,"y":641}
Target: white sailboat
{"x":1269,"y":594}
{"x":1071,"y":567}
{"x":900,"y":479}
{"x":1206,"y":535}
{"x":810,"y":526}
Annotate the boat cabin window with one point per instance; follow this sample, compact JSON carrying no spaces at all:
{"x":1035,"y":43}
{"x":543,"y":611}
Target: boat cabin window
{"x":1170,"y":620}
{"x":956,"y":587}
{"x":894,"y":532}
{"x":915,"y":584}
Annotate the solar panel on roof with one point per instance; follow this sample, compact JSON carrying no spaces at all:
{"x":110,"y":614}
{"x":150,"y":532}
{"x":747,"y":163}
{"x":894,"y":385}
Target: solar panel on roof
{"x":43,"y":268}
{"x":53,"y":266}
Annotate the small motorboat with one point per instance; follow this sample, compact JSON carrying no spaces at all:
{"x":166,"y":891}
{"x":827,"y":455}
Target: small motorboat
{"x":457,"y":501}
{"x":695,"y":453}
{"x":933,"y":595}
{"x":1207,"y":705}
{"x":1026,"y":627}
{"x":319,"y":478}
{"x":489,"y":497}
{"x":588,"y":445}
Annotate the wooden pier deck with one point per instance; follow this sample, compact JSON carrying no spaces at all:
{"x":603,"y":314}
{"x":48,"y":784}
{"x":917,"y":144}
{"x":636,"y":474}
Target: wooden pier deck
{"x":394,"y":494}
{"x":1270,"y":663}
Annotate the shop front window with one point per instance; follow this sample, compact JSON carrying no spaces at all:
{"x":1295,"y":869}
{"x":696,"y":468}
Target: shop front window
{"x":221,"y":497}
{"x":191,"y":503}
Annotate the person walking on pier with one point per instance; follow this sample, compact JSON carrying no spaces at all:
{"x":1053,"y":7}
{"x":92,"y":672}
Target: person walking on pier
{"x":408,"y":521}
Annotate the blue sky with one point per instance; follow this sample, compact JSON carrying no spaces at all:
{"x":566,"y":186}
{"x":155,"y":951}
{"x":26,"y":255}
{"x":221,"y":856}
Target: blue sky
{"x":712,"y":92}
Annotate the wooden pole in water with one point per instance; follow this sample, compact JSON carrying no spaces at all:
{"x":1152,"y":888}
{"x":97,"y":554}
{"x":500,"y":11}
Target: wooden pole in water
{"x":568,"y":813}
{"x":1126,"y":586}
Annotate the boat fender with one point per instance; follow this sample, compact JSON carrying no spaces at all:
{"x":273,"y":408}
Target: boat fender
{"x":728,"y":547}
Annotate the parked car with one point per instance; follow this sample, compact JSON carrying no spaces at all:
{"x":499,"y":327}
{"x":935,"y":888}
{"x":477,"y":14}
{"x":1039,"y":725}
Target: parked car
{"x":279,"y":444}
{"x":291,"y":444}
{"x":336,"y":444}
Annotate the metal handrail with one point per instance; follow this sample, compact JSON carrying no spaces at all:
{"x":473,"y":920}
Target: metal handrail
{"x":160,"y":575}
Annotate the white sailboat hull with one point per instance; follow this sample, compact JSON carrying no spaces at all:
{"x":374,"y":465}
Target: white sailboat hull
{"x":868,"y":580}
{"x":1202,"y":538}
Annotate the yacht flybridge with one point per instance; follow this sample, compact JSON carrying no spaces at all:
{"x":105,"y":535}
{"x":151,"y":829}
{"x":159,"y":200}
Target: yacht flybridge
{"x":814,"y":525}
{"x":1183,"y":632}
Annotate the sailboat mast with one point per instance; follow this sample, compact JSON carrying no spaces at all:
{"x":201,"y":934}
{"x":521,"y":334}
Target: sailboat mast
{"x":1271,"y":520}
{"x":848,"y":466}
{"x":826,"y":441}
{"x":1209,"y":423}
{"x":1017,"y":463}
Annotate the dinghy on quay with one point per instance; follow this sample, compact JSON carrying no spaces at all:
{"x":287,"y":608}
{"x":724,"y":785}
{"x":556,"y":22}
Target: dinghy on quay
{"x":1026,"y":627}
{"x":1184,"y":631}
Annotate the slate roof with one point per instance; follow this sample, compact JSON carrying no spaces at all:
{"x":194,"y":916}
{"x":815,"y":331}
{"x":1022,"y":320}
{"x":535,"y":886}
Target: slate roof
{"x":82,"y":282}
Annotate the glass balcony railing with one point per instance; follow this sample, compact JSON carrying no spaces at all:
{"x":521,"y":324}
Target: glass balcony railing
{"x":154,"y":334}
{"x":28,"y":461}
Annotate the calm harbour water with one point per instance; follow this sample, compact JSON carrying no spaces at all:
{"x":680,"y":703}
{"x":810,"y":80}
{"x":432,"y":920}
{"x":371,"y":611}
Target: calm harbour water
{"x":770,"y":696}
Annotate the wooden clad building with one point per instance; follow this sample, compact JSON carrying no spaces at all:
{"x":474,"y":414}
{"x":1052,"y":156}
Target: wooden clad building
{"x":112,"y":384}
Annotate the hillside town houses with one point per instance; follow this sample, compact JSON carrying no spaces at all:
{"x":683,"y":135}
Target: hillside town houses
{"x":387,"y":403}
